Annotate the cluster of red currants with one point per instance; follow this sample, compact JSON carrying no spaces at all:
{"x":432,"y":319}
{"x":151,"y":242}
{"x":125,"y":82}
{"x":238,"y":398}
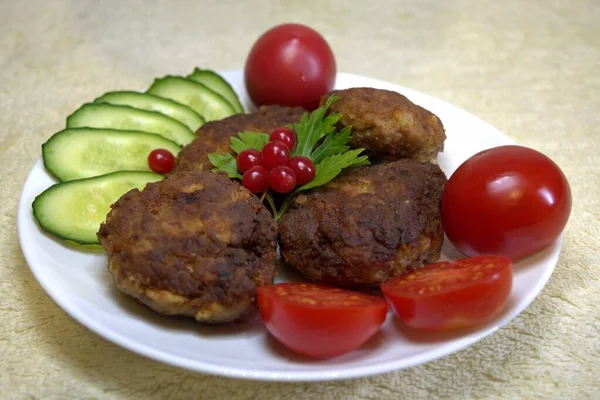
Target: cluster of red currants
{"x":272,"y":167}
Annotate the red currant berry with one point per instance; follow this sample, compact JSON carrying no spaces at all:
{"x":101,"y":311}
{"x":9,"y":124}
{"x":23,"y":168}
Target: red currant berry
{"x":284,"y":135}
{"x":161,"y":161}
{"x":282,"y":179}
{"x":256,"y":179}
{"x":248,"y":158}
{"x":275,"y":154}
{"x":304,"y":169}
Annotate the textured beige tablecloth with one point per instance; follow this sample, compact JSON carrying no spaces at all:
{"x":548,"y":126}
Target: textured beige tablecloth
{"x":531,"y":68}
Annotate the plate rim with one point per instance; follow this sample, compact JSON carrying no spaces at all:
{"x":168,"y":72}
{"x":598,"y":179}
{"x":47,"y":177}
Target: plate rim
{"x":24,"y":211}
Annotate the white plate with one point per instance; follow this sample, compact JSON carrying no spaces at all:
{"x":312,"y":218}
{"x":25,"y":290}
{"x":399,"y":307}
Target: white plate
{"x":80,"y":283}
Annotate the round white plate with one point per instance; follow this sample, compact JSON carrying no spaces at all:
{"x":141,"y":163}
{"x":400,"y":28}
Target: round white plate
{"x":80,"y":283}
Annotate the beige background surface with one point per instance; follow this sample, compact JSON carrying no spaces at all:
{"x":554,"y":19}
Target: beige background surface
{"x":531,"y":68}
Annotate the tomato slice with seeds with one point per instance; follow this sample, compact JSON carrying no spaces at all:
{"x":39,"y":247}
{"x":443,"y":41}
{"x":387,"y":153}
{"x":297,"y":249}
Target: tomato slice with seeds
{"x":319,"y":321}
{"x":451,"y":294}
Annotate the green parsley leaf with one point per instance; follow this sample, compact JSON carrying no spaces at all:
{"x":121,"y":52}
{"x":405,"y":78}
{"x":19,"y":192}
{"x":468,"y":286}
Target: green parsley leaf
{"x":248,"y":140}
{"x":225,"y":163}
{"x":333,"y":144}
{"x":312,"y":129}
{"x":332,"y":165}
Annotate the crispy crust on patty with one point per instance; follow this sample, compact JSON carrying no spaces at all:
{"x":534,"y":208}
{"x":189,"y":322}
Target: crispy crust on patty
{"x":214,"y":135}
{"x":367,"y":225}
{"x":194,"y":244}
{"x":388,"y":125}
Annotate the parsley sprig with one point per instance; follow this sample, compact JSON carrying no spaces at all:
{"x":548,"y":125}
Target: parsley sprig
{"x":316,"y":138}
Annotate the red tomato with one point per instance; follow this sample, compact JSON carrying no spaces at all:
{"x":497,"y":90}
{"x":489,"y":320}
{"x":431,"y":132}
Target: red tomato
{"x":161,"y":161}
{"x":508,"y":200}
{"x":319,"y":321}
{"x":290,"y":65}
{"x":451,"y":294}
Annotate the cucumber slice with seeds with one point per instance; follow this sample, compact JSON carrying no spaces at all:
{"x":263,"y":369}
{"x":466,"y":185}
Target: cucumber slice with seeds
{"x":215,"y":82}
{"x":148,"y":102}
{"x":109,"y":116}
{"x":74,"y":210}
{"x":211,"y":105}
{"x":77,"y":153}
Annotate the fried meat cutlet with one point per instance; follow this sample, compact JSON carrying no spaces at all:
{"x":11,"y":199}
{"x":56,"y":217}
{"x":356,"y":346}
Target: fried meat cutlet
{"x":214,"y":135}
{"x":194,"y":244}
{"x":388,"y":125}
{"x":367,"y":225}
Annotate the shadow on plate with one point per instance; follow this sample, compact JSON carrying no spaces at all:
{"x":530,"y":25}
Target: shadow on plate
{"x":449,"y":252}
{"x":95,"y":249}
{"x":287,"y":273}
{"x":536,"y":259}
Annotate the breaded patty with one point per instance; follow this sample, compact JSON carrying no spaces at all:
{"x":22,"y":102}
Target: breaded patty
{"x":195,"y":244}
{"x":388,"y":125}
{"x":214,"y":136}
{"x":367,"y":225}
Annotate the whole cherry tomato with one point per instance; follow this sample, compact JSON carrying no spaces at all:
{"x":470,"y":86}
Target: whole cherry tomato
{"x":290,"y":65}
{"x":509,"y":200}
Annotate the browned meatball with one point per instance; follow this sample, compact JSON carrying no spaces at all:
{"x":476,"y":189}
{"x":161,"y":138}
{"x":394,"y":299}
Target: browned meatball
{"x":194,"y":244}
{"x":366,"y":226}
{"x":214,"y":136}
{"x":388,"y":125}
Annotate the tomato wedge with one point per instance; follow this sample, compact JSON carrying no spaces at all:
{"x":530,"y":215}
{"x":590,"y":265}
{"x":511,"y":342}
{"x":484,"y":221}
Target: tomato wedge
{"x":451,"y":294}
{"x":319,"y":321}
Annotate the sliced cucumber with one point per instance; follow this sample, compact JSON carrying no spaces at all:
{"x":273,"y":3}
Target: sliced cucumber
{"x":74,"y":210}
{"x":109,"y":116}
{"x":211,"y":105}
{"x":77,"y":153}
{"x":215,"y":82}
{"x":148,"y":102}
